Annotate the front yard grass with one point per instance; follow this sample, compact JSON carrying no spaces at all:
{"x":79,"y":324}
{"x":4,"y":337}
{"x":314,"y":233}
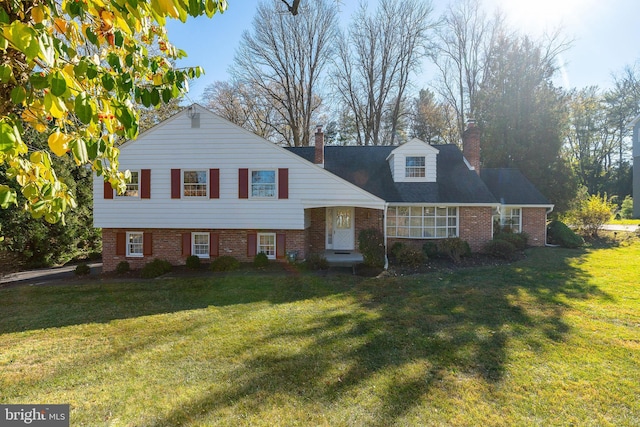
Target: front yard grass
{"x":550,"y":340}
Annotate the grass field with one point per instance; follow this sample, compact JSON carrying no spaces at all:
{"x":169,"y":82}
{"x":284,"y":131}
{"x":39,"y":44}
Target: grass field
{"x":550,"y":340}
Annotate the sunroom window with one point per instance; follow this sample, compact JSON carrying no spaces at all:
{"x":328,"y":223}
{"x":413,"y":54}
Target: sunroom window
{"x":422,"y":222}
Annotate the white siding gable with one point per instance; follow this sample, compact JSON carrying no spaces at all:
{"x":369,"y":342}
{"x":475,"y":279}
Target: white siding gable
{"x":414,"y":148}
{"x":218,"y":144}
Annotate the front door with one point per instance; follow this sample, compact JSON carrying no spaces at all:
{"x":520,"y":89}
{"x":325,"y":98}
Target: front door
{"x":340,"y":229}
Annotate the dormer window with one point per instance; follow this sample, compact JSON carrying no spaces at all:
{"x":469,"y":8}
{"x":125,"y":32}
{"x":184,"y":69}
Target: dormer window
{"x":415,"y":167}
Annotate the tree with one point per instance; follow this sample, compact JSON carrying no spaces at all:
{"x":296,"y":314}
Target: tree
{"x":432,"y":121}
{"x":72,"y":72}
{"x":463,"y":43}
{"x":523,"y":115}
{"x":375,"y":61}
{"x":282,"y":59}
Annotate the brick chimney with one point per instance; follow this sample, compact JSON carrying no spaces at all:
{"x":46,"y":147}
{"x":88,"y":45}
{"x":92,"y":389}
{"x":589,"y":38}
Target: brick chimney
{"x":471,"y":145}
{"x":319,"y":155}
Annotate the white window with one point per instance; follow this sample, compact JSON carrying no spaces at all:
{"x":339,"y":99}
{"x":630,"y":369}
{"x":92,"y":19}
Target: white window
{"x":263,"y":183}
{"x":422,"y":222}
{"x":135,"y":244}
{"x":267,"y":244}
{"x":133,"y":186}
{"x":194,"y":183}
{"x":508,"y":220}
{"x":200,"y":244}
{"x":415,"y":167}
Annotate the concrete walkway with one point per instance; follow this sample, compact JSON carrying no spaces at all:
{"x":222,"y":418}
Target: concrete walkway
{"x":618,"y":227}
{"x":43,"y":276}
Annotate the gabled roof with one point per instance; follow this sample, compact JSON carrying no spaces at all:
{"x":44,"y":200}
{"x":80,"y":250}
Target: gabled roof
{"x":366,"y":166}
{"x":511,"y":187}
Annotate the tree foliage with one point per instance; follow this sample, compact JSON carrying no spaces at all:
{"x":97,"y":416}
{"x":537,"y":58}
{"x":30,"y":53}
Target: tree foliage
{"x":591,"y":213}
{"x":73,"y":71}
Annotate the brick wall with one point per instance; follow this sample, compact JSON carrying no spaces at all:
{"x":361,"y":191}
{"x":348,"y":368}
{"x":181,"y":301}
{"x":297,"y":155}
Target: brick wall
{"x":167,"y":245}
{"x":534,"y":223}
{"x":475,"y":226}
{"x":315,"y":233}
{"x":368,"y":218}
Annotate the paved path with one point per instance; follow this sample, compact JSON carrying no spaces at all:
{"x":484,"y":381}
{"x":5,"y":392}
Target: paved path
{"x":618,"y":227}
{"x":45,"y":275}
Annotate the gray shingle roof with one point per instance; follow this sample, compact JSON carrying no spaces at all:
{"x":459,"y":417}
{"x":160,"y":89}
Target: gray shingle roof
{"x":511,"y":187}
{"x":367,"y":167}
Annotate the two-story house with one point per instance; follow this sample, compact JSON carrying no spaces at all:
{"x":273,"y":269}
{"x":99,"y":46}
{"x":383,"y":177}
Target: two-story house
{"x":204,"y":186}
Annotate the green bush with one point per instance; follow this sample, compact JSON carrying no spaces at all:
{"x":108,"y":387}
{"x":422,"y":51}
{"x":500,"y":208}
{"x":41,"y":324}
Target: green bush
{"x":316,"y":262}
{"x":155,"y":268}
{"x":430,"y":249}
{"x":371,"y":246}
{"x":591,"y":213}
{"x":626,"y":210}
{"x":410,"y":256}
{"x":82,"y":270}
{"x":395,"y":250}
{"x":193,"y":262}
{"x":225,"y":263}
{"x":455,"y":248}
{"x":519,"y":240}
{"x":261,"y":260}
{"x":500,"y":248}
{"x":559,"y":234}
{"x":123,"y":267}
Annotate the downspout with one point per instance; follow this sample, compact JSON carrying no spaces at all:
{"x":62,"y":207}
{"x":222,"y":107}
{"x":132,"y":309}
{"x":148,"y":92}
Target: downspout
{"x":546,"y":238}
{"x":384,"y":225}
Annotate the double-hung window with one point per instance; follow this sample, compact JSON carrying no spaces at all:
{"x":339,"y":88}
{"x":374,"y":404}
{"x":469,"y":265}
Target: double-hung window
{"x":200,"y":244}
{"x":509,"y":219}
{"x":267,"y":244}
{"x":133,"y":186}
{"x":194,"y":183}
{"x":135,"y":246}
{"x":415,"y":167}
{"x":263,"y":183}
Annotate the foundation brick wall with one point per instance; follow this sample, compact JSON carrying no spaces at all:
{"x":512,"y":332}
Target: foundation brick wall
{"x":167,"y":245}
{"x":315,"y":233}
{"x":534,"y":223}
{"x":475,"y":226}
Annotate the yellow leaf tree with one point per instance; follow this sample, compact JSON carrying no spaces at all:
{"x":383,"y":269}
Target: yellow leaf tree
{"x":74,"y":70}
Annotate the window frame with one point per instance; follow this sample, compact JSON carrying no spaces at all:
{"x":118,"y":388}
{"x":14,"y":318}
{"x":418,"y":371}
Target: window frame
{"x":504,"y":220}
{"x":194,"y":244}
{"x":205,"y":194}
{"x":259,"y":246}
{"x":438,"y":225}
{"x":128,"y":244}
{"x":275,"y":184}
{"x":130,"y":183}
{"x":413,"y":171}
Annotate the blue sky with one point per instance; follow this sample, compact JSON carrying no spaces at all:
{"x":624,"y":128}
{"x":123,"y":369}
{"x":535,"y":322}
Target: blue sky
{"x":606,"y":36}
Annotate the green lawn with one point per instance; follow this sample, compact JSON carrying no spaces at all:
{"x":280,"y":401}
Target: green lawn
{"x":551,"y":340}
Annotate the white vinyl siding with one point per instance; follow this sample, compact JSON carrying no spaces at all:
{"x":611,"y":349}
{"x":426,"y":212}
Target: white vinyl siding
{"x":135,"y":247}
{"x":414,"y":161}
{"x":200,"y":244}
{"x":220,"y":144}
{"x":267,"y":244}
{"x":422,"y":222}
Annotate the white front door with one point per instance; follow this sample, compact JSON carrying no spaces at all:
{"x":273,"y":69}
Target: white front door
{"x":340,"y":229}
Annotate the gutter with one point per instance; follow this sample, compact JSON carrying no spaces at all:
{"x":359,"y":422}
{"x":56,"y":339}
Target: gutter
{"x":384,"y":225}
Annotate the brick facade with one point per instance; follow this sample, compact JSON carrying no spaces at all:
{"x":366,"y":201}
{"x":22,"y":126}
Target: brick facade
{"x":534,"y":223}
{"x":167,"y":245}
{"x":475,"y":225}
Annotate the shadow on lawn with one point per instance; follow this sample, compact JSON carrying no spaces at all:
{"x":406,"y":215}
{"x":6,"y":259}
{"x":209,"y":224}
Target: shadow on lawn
{"x":407,"y":335}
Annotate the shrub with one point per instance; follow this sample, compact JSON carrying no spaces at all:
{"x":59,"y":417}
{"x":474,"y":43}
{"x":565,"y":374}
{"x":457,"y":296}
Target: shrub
{"x":371,"y":246}
{"x":519,"y":240}
{"x":454,"y":248}
{"x":123,"y":267}
{"x":317,"y":262}
{"x":626,"y":210}
{"x":193,"y":262}
{"x":410,"y":256}
{"x":225,"y":263}
{"x":500,"y":248}
{"x":261,"y":260}
{"x":155,"y":268}
{"x":592,"y":213}
{"x":430,"y":249}
{"x":559,"y":234}
{"x":395,"y":250}
{"x":82,"y":270}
